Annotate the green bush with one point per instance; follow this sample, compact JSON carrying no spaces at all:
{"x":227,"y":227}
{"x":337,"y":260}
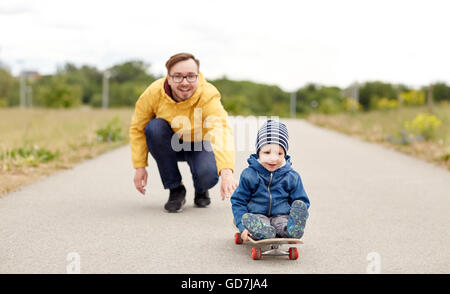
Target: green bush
{"x":441,"y":92}
{"x":112,"y":132}
{"x":386,"y":104}
{"x":26,"y":155}
{"x":370,"y":92}
{"x":329,"y":106}
{"x":412,"y":98}
{"x":424,"y":125}
{"x":3,"y":102}
{"x":125,"y":93}
{"x":351,"y":105}
{"x":55,"y":92}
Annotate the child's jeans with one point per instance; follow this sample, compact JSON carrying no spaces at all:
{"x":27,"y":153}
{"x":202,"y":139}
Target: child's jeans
{"x":279,"y":222}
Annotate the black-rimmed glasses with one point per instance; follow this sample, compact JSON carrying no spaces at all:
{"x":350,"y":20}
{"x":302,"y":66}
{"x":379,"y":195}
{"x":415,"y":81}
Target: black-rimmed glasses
{"x":179,"y":78}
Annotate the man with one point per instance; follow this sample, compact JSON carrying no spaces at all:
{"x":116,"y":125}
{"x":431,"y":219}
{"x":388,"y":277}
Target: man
{"x":180,"y":118}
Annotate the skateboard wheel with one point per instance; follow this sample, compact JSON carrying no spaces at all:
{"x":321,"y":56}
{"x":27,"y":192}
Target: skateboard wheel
{"x":237,"y":238}
{"x":293,"y":253}
{"x":256,"y":253}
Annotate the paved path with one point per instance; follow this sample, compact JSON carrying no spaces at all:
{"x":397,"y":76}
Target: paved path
{"x":363,"y":199}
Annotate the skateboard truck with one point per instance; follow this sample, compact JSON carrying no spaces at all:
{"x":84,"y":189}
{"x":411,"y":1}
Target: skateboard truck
{"x":275,"y":250}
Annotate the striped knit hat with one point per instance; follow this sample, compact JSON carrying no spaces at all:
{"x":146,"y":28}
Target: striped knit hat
{"x":272,"y":132}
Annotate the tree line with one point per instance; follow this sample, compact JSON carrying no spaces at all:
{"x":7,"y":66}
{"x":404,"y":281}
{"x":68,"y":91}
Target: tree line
{"x":73,"y":86}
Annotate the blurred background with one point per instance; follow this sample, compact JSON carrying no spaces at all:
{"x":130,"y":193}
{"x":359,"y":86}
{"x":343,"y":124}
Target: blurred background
{"x":71,"y":71}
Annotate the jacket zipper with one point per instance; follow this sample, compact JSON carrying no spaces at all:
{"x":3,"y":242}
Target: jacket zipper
{"x":270,"y":195}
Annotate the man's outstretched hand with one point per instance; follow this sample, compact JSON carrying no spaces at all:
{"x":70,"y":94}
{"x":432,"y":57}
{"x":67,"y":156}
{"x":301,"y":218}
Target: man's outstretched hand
{"x":140,"y":179}
{"x":228,"y":183}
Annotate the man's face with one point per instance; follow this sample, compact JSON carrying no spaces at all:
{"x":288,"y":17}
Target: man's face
{"x":271,"y":156}
{"x":184,"y":89}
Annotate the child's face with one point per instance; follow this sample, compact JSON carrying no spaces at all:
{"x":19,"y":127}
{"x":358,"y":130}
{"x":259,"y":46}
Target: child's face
{"x":271,"y":156}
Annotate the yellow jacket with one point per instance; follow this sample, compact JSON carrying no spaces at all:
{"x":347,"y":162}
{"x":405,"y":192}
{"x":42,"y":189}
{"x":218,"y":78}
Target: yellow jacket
{"x":201,"y":117}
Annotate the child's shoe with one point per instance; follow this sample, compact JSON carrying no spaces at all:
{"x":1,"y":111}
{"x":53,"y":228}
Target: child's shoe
{"x":297,"y":219}
{"x":257,"y":228}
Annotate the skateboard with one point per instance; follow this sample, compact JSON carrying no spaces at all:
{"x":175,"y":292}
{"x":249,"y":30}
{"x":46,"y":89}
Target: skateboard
{"x":271,"y":247}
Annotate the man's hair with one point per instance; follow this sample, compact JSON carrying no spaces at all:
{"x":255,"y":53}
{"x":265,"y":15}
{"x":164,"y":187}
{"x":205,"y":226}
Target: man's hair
{"x":180,"y":57}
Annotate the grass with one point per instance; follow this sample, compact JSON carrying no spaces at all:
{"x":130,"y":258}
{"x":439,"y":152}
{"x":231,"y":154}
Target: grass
{"x":376,"y":126}
{"x":38,"y":142}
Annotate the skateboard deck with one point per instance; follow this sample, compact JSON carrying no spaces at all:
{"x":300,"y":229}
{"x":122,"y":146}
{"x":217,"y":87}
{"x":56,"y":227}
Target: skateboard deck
{"x":271,"y":247}
{"x":275,"y":241}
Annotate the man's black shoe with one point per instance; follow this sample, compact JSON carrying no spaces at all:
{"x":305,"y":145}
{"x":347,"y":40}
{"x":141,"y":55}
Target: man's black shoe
{"x":202,"y":199}
{"x":177,"y":199}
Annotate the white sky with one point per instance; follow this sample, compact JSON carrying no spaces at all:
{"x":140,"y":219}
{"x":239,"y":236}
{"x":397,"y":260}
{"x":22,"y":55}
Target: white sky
{"x":286,"y":43}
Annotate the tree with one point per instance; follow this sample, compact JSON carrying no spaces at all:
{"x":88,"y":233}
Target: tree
{"x":441,"y":92}
{"x":250,"y":98}
{"x":370,"y":92}
{"x":9,"y":89}
{"x":56,"y":92}
{"x":87,"y":77}
{"x":314,"y":97}
{"x":126,"y":93}
{"x":135,"y":71}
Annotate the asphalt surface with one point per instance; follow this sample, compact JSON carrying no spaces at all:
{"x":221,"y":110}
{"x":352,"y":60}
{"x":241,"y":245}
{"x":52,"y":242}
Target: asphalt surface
{"x":372,"y":210}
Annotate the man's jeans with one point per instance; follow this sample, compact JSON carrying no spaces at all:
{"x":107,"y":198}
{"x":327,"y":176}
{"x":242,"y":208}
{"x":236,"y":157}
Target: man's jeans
{"x":202,"y":163}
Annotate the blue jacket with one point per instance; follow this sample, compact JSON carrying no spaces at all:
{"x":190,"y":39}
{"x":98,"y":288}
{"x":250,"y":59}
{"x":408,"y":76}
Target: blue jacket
{"x":263,"y":192}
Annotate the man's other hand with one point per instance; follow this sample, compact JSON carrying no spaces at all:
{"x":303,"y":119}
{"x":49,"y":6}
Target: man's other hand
{"x":140,"y":179}
{"x":228,"y":183}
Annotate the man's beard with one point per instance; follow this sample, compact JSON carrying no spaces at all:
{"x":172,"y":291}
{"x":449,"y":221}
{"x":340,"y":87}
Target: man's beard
{"x":183,"y":95}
